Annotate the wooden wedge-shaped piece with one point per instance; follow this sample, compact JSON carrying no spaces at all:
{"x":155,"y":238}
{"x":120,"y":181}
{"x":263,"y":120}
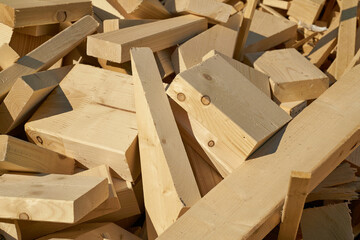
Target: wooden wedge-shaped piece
{"x":26,"y":94}
{"x":18,"y":13}
{"x":267,"y":31}
{"x":51,"y":198}
{"x":146,"y":9}
{"x":8,"y":56}
{"x":48,"y":53}
{"x":234,"y":115}
{"x":169,"y":183}
{"x":18,"y":155}
{"x":99,"y":102}
{"x":220,"y":38}
{"x":292,"y":76}
{"x":115,"y":46}
{"x":233,"y":205}
{"x":327,"y":222}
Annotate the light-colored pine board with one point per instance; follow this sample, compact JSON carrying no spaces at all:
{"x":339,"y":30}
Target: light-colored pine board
{"x":327,"y":222}
{"x":147,"y":9}
{"x":277,"y":4}
{"x":244,"y":30}
{"x":347,"y":36}
{"x":325,"y":45}
{"x":8,"y":56}
{"x":25,"y":96}
{"x":293,"y":108}
{"x":104,"y":10}
{"x":92,"y":231}
{"x":115,"y":46}
{"x":51,"y":198}
{"x":211,"y":9}
{"x":317,"y":140}
{"x":267,"y":31}
{"x":18,"y":13}
{"x":259,"y":79}
{"x":18,"y":155}
{"x":219,"y":97}
{"x":354,"y":61}
{"x":292,"y":76}
{"x":47,"y":54}
{"x":294,"y":205}
{"x":100,"y":101}
{"x":220,"y":38}
{"x":5,"y":33}
{"x":39,"y":30}
{"x":165,"y":168}
{"x":8,"y":230}
{"x":306,"y":10}
{"x":115,"y":24}
{"x":111,"y":204}
{"x":270,"y":10}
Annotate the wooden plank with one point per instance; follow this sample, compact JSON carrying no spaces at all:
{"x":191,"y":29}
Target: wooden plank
{"x":5,"y":33}
{"x":343,"y":192}
{"x":294,"y":205}
{"x":267,"y":31}
{"x":292,"y":76}
{"x":293,"y":108}
{"x":39,"y":30}
{"x":327,"y":222}
{"x":354,"y":61}
{"x":92,"y":231}
{"x":214,"y":93}
{"x":233,"y":205}
{"x":26,"y":95}
{"x":306,"y":10}
{"x":173,"y":172}
{"x":115,"y":46}
{"x":220,"y":38}
{"x":259,"y":79}
{"x":147,"y":9}
{"x":244,"y":30}
{"x":277,"y":4}
{"x":24,"y":44}
{"x":18,"y":13}
{"x":51,"y":198}
{"x":344,"y":173}
{"x":104,"y":10}
{"x":211,"y":9}
{"x":111,"y":204}
{"x":106,"y":98}
{"x":47,"y":54}
{"x":325,"y":45}
{"x":18,"y":155}
{"x":271,"y":11}
{"x":347,"y":36}
{"x":8,"y":56}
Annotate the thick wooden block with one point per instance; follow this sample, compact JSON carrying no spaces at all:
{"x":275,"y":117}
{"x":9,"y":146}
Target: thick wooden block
{"x":90,"y":117}
{"x":220,"y":38}
{"x":8,"y":56}
{"x":18,"y":155}
{"x":147,"y":9}
{"x":47,"y":54}
{"x":169,"y":184}
{"x":92,"y":231}
{"x":306,"y":10}
{"x":259,"y":79}
{"x":267,"y":31}
{"x":327,"y":222}
{"x":223,"y":101}
{"x":115,"y":46}
{"x":316,"y":141}
{"x":112,"y":203}
{"x":51,"y":198}
{"x":26,"y":94}
{"x":18,"y":13}
{"x":292,"y":76}
{"x":212,"y":9}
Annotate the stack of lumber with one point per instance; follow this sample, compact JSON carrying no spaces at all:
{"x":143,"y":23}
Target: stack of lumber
{"x":179,"y":119}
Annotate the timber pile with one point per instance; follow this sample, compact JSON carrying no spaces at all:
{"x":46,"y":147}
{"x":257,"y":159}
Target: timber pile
{"x":179,"y":119}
